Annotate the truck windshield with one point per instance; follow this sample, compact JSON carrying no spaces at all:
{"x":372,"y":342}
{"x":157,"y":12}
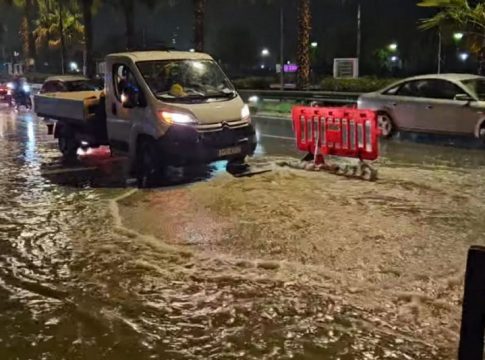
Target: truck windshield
{"x":186,"y":80}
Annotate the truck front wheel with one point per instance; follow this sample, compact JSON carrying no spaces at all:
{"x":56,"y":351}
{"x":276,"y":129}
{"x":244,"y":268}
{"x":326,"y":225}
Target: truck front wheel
{"x":149,"y":166}
{"x":237,"y":165}
{"x":68,"y":147}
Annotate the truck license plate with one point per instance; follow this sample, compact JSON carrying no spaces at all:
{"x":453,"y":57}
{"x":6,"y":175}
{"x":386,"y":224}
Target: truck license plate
{"x":230,"y":151}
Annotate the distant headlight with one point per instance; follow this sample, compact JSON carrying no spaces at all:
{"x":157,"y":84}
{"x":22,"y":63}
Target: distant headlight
{"x":245,"y":113}
{"x":176,"y":118}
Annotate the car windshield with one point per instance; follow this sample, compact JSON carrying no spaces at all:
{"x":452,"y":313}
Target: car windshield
{"x":476,"y":87}
{"x":186,"y":80}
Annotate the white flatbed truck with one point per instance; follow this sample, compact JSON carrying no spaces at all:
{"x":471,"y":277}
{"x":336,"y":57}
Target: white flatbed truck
{"x":159,"y":107}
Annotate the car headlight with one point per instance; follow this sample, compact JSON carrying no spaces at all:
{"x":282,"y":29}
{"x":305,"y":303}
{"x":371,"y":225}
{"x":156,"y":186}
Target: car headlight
{"x":11,"y":85}
{"x":26,"y":88}
{"x":245,"y":113}
{"x":173,"y":117}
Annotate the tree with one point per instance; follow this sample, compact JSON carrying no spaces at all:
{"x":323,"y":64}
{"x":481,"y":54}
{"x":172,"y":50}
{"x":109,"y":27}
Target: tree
{"x":459,"y":15}
{"x":59,"y":27}
{"x":87,"y":10}
{"x":128,"y":8}
{"x":199,"y":21}
{"x":28,"y":8}
{"x":303,"y":51}
{"x":199,"y":9}
{"x":3,"y":31}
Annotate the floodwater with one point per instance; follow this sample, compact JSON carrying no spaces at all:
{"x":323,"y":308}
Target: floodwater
{"x":75,"y":283}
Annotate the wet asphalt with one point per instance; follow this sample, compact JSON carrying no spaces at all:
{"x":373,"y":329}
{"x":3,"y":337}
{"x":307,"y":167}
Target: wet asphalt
{"x":69,"y":288}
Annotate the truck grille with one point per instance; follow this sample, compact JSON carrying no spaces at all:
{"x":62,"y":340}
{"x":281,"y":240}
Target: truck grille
{"x":226,"y":137}
{"x":233,"y":124}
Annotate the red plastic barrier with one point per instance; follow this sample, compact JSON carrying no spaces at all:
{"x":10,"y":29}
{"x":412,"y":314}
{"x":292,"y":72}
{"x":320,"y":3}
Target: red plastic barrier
{"x":337,"y":131}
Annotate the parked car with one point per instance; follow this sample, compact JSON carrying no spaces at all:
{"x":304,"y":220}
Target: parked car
{"x":441,"y":104}
{"x":69,"y":83}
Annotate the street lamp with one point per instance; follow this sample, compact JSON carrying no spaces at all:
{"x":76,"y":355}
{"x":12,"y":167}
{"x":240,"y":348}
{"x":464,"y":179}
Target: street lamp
{"x":393,"y":47}
{"x":74,"y":66}
{"x":314,"y":44}
{"x":264,"y":54}
{"x":458,"y":36}
{"x":464,"y":56}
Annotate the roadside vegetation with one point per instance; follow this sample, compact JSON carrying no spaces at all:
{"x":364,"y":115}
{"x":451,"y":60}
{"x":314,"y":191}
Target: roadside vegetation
{"x":360,"y":85}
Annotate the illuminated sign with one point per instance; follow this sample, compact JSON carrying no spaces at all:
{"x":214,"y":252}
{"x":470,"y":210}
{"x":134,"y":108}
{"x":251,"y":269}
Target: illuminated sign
{"x":290,"y":68}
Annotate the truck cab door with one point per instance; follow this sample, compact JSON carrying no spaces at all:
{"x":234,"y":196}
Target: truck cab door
{"x":125,"y":108}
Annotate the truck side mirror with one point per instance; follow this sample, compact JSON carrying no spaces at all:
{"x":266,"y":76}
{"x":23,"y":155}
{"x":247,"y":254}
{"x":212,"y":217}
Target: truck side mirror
{"x":129,"y":98}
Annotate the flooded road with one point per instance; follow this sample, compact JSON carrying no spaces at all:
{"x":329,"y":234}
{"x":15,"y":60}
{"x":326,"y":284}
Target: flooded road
{"x":76,"y":283}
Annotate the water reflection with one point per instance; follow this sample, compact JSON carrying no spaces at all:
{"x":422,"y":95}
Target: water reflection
{"x":30,"y":153}
{"x":7,"y":123}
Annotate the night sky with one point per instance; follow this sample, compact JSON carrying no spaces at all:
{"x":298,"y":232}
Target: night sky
{"x":334,"y":22}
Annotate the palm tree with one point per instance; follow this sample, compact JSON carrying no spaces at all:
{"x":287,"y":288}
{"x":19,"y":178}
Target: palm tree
{"x":128,"y":8}
{"x":59,"y":27}
{"x":303,"y":51}
{"x":3,"y":31}
{"x":199,"y":21}
{"x":88,"y":7}
{"x":199,"y":9}
{"x":459,"y":15}
{"x":28,"y":9}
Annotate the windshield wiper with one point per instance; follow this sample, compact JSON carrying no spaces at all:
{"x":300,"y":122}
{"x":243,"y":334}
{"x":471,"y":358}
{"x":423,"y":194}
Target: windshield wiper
{"x":195,"y":97}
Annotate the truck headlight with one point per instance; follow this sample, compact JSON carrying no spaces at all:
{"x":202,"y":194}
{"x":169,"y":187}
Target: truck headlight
{"x":171,"y":117}
{"x":245,"y":113}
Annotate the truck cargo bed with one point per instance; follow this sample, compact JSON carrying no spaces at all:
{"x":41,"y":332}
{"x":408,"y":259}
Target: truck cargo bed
{"x":77,"y":107}
{"x":82,"y":112}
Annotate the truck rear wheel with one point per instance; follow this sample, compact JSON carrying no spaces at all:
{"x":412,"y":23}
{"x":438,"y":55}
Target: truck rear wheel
{"x":68,"y":147}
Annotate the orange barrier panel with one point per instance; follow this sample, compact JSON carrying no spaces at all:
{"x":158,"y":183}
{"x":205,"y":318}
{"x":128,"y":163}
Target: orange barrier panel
{"x":341,"y":132}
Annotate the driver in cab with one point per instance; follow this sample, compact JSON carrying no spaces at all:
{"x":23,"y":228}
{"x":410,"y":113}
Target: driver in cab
{"x":170,"y":81}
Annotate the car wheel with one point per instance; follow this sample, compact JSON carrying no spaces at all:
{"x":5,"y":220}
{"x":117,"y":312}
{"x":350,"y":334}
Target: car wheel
{"x":386,"y":125}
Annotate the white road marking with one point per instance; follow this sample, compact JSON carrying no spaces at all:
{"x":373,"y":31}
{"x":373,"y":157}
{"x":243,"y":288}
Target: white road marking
{"x":273,"y":118}
{"x":277,"y":137}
